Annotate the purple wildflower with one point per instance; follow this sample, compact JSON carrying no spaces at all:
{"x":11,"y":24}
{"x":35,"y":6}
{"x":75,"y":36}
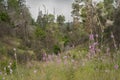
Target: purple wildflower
{"x":49,"y":57}
{"x":44,"y":57}
{"x":98,"y":50}
{"x":95,"y":43}
{"x":92,"y":48}
{"x":91,"y":37}
{"x":116,"y":66}
{"x":58,"y":60}
{"x":65,"y":62}
{"x":65,"y":57}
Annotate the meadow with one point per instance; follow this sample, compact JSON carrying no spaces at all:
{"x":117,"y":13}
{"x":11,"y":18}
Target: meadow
{"x":72,"y":65}
{"x":51,"y":47}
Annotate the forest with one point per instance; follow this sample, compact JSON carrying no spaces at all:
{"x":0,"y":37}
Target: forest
{"x":52,"y":48}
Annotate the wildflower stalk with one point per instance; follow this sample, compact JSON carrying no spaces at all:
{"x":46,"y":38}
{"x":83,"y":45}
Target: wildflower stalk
{"x":115,"y":45}
{"x":15,"y":55}
{"x":102,"y":31}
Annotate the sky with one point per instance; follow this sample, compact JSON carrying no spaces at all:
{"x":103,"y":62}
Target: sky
{"x":60,"y":7}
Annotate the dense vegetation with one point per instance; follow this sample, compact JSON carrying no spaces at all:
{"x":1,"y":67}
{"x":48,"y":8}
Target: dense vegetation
{"x":50,"y":48}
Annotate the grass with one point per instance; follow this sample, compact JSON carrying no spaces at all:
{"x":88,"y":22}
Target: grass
{"x":65,"y":70}
{"x":71,"y":65}
{"x":54,"y":71}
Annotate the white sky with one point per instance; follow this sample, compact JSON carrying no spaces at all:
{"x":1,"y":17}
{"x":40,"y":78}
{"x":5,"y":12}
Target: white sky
{"x":61,"y":7}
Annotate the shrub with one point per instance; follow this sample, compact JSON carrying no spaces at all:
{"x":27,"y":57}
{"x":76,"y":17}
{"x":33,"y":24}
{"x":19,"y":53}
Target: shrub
{"x":40,"y":33}
{"x":56,"y":49}
{"x":4,"y":17}
{"x":66,"y":40}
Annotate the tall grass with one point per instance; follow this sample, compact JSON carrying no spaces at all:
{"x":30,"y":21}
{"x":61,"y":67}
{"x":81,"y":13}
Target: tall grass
{"x":65,"y":67}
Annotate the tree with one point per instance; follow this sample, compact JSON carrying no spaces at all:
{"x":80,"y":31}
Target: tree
{"x":51,"y":18}
{"x":2,"y":5}
{"x":20,"y":18}
{"x":4,"y":17}
{"x":44,"y":19}
{"x":60,"y":19}
{"x":39,"y":19}
{"x":108,"y":5}
{"x":76,"y":9}
{"x":116,"y":28}
{"x":5,"y":27}
{"x":13,"y":5}
{"x":21,"y":2}
{"x":40,"y":33}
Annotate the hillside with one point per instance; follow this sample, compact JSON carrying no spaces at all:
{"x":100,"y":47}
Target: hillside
{"x":51,"y":48}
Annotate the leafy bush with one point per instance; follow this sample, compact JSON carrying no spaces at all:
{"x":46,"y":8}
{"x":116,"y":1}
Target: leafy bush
{"x":56,"y":49}
{"x":66,"y":40}
{"x":14,"y":4}
{"x":40,"y":33}
{"x":4,"y":17}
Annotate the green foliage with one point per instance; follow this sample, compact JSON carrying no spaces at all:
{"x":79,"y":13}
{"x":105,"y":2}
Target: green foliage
{"x":116,"y":28}
{"x":1,"y":1}
{"x":108,"y":2}
{"x":83,"y":13}
{"x":6,"y":66}
{"x":60,"y":19}
{"x":13,"y":4}
{"x":3,"y":50}
{"x":117,"y":18}
{"x":51,"y":18}
{"x":3,"y":64}
{"x":66,"y":40}
{"x":76,"y":6}
{"x":76,"y":9}
{"x":44,"y":20}
{"x":21,"y":2}
{"x":94,"y":70}
{"x":56,"y":49}
{"x":40,"y":33}
{"x":108,"y":5}
{"x":73,"y":64}
{"x":10,"y":67}
{"x":4,"y":17}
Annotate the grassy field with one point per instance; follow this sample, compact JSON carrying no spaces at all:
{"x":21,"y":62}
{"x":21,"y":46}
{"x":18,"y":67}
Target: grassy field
{"x":64,"y":67}
{"x":53,"y":71}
